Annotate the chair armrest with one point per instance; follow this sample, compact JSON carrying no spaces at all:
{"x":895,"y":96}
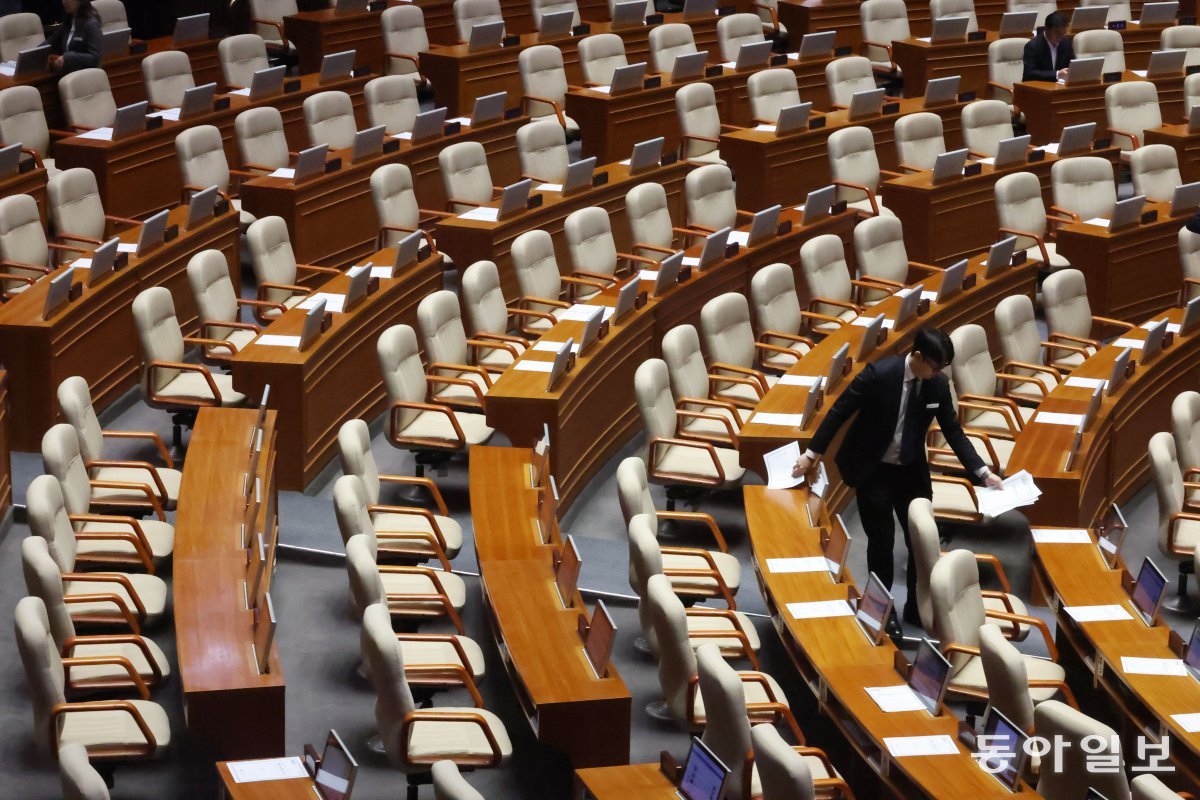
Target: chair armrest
{"x":1173,"y":525}
{"x":1027,"y":620}
{"x":149,"y":435}
{"x":1133,"y":137}
{"x":995,"y":564}
{"x":156,"y":676}
{"x":1030,"y":380}
{"x":752,"y":374}
{"x":276,"y":25}
{"x":111,"y":577}
{"x":135,"y":536}
{"x":1010,"y":408}
{"x":1062,"y":686}
{"x":599,"y":277}
{"x":699,"y":517}
{"x":558,"y":112}
{"x":1115,"y":323}
{"x":767,"y":348}
{"x":573,"y":282}
{"x":433,"y":381}
{"x":437,"y":408}
{"x":175,"y":401}
{"x":461,"y":677}
{"x":707,"y":447}
{"x":107,"y":661}
{"x":713,"y":380}
{"x":787,"y":337}
{"x":731,"y":437}
{"x":666,"y":250}
{"x":816,"y":316}
{"x":439,"y":591}
{"x":62,"y":709}
{"x":458,"y":717}
{"x":142,"y":465}
{"x":829,"y":301}
{"x":866,"y":281}
{"x":1064,"y":214}
{"x":862,"y":188}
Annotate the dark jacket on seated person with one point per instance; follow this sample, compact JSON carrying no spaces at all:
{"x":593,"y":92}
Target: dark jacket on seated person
{"x":83,"y":49}
{"x":1039,"y":66}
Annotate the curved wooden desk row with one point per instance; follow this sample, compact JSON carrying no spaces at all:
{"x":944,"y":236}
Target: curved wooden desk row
{"x":592,"y":411}
{"x":1050,"y":107}
{"x":337,"y":378}
{"x":94,"y":336}
{"x":569,"y":708}
{"x":231,"y":708}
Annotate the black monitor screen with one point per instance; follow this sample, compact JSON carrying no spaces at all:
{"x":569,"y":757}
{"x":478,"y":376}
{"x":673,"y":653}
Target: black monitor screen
{"x":928,"y":677}
{"x":1148,"y":589}
{"x":1191,"y":656}
{"x":1005,"y":749}
{"x":704,"y":775}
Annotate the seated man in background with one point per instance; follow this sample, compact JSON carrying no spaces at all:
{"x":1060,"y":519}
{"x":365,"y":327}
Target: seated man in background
{"x":1048,"y":54}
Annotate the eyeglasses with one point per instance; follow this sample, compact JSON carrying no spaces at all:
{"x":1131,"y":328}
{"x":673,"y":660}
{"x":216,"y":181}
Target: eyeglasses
{"x":934,"y":365}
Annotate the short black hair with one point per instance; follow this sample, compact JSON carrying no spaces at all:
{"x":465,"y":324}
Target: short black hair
{"x":1056,"y":20}
{"x":934,"y":345}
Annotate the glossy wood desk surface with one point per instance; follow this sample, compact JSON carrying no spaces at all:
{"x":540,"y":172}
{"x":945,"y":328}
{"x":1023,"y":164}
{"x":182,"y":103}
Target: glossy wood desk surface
{"x":629,"y":782}
{"x":1186,"y":144}
{"x":922,"y":61}
{"x":838,"y":662}
{"x":291,"y":789}
{"x":322,"y":31}
{"x":1050,"y":107}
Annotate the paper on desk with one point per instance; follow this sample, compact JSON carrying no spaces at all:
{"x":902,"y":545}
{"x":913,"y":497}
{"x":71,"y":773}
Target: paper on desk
{"x":459,"y":120}
{"x":690,"y":261}
{"x":126,"y":247}
{"x":549,"y":187}
{"x":481,"y":214}
{"x":274,"y":340}
{"x":647,"y":275}
{"x":8,"y":69}
{"x":333,"y":302}
{"x":930,"y":296}
{"x":926,"y":39}
{"x":103,"y":134}
{"x":529,"y":365}
{"x":1154,"y":666}
{"x":863,"y":321}
{"x":1141,"y":73}
{"x":820,"y":609}
{"x":554,"y":347}
{"x":1019,"y":490}
{"x":741,"y":237}
{"x":243,"y":92}
{"x":1107,"y":613}
{"x":766,"y":128}
{"x":1189,"y":722}
{"x":383,"y":273}
{"x":1066,"y":536}
{"x":1052,"y":418}
{"x":780,"y":566}
{"x":780,"y":420}
{"x":730,"y":64}
{"x":167,"y":113}
{"x":81,"y":263}
{"x":1171,"y":326}
{"x":1100,"y":221}
{"x":779,"y":463}
{"x":940,"y":745}
{"x":601,"y":89}
{"x":1051,"y":148}
{"x":283,"y":172}
{"x":582,"y":313}
{"x":891,"y":699}
{"x":625,"y":162}
{"x":1136,"y":344}
{"x":798,"y":380}
{"x":404,"y":135}
{"x":267,"y":769}
{"x":987,"y":160}
{"x":794,"y":56}
{"x":1086,"y":383}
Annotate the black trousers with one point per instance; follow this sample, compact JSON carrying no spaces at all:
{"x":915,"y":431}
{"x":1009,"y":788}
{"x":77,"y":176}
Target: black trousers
{"x":887,"y":491}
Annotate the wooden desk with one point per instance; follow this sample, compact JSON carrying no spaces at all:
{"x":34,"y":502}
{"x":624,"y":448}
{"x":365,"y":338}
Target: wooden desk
{"x":291,"y":789}
{"x":1187,"y":147}
{"x":784,"y":169}
{"x":232,"y":710}
{"x":630,"y":782}
{"x":1131,"y":273}
{"x":1050,"y":107}
{"x":815,"y":16}
{"x":468,"y":241}
{"x":614,"y":124}
{"x":331,"y":217}
{"x":568,"y":707}
{"x":94,"y":336}
{"x":459,"y":76}
{"x":922,"y":61}
{"x":973,"y":306}
{"x":336,"y":379}
{"x":592,"y":411}
{"x":138,"y":175}
{"x":320,"y":32}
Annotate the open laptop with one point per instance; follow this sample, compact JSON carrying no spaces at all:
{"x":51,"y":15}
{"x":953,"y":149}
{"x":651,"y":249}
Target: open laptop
{"x":601,"y":636}
{"x":579,"y":175}
{"x":626,"y":15}
{"x":940,"y":91}
{"x":1186,"y":199}
{"x":313,"y":320}
{"x":752,"y":55}
{"x":929,"y":676}
{"x":566,"y":572}
{"x":949,"y":166}
{"x":910,"y":299}
{"x":10,"y":159}
{"x":488,"y":108}
{"x":407,"y":250}
{"x":1111,"y":535}
{"x":1085,"y":70}
{"x":818,"y":45}
{"x":151,"y":233}
{"x":429,"y":124}
{"x":1191,"y":316}
{"x":1166,"y":62}
{"x":836,"y":548}
{"x":104,"y":258}
{"x":792,"y":118}
{"x":1093,"y":406}
{"x":1154,"y":340}
{"x":838,"y":366}
{"x":1089,"y":18}
{"x":699,"y":9}
{"x":1159,"y":13}
{"x":359,"y":276}
{"x":591,"y":328}
{"x":626,"y":298}
{"x":870,"y":339}
{"x":130,"y":119}
{"x":368,"y":143}
{"x":197,"y":100}
{"x":350,"y":6}
{"x":191,"y":28}
{"x":485,"y":36}
{"x":556,"y":24}
{"x":266,"y":82}
{"x":627,"y":78}
{"x":115,"y":42}
{"x":1076,"y":139}
{"x":764,"y":225}
{"x":58,"y":292}
{"x":1127,"y":212}
{"x":1117,"y":375}
{"x":200,"y":207}
{"x":1011,"y":151}
{"x":817,"y":204}
{"x":33,"y":61}
{"x":337,"y":66}
{"x":310,"y":162}
{"x":1000,"y":256}
{"x":515,"y":198}
{"x":714,"y":247}
{"x":866,"y":104}
{"x":874,"y":610}
{"x":646,"y":155}
{"x":688,"y":66}
{"x":1191,"y":653}
{"x":949,"y":29}
{"x":1193,"y":121}
{"x":811,"y":402}
{"x":668,"y":273}
{"x":335,"y":776}
{"x":1017,"y":23}
{"x":1006,"y":755}
{"x":952,"y":280}
{"x":1148,"y":591}
{"x":704,"y":775}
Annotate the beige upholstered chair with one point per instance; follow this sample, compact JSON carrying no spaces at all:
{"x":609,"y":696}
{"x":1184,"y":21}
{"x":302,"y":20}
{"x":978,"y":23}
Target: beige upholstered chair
{"x":466,"y":176}
{"x":1070,"y":321}
{"x":734,"y":353}
{"x":414,"y":422}
{"x":1151,"y":787}
{"x":650,"y":225}
{"x":1006,"y":675}
{"x":80,"y":780}
{"x":768,"y":14}
{"x":538,"y":276}
{"x":414,"y":738}
{"x":613,"y":3}
{"x":1183,"y":37}
{"x":783,"y":773}
{"x":404,"y":39}
{"x":1132,"y":109}
{"x":600,"y":56}
{"x":1084,"y":186}
{"x":1191,"y":94}
{"x":781,"y":321}
{"x":117,"y":729}
{"x":392,"y":100}
{"x":449,"y":784}
{"x":718,"y":419}
{"x":985,"y":124}
{"x":593,"y":250}
{"x":456,"y":363}
{"x":668,"y":42}
{"x":1040,"y":7}
{"x":23,"y":119}
{"x":542,"y":148}
{"x":220,"y":307}
{"x":1155,"y":170}
{"x":329,"y":118}
{"x":167,"y":75}
{"x":1178,"y":517}
{"x":943,"y":9}
{"x":1101,"y":44}
{"x":275,"y":267}
{"x":771,"y":90}
{"x":835,"y":295}
{"x":699,"y":124}
{"x":408,"y":533}
{"x":19,"y":31}
{"x":1061,"y":780}
{"x":241,"y":56}
{"x":919,"y":140}
{"x":397,"y":210}
{"x":200,"y":151}
{"x":267,"y":18}
{"x":711,"y":199}
{"x":1006,"y":68}
{"x":112,"y":13}
{"x":544,"y":80}
{"x":883,"y":258}
{"x":1022,"y":213}
{"x":490,"y":317}
{"x":77,"y":211}
{"x":735,"y":30}
{"x":855,"y":168}
{"x":415,"y":593}
{"x":469,"y":13}
{"x":1185,"y":427}
{"x":846,"y":77}
{"x":633,"y":493}
{"x":1022,"y":346}
{"x":959,"y":613}
{"x":87,"y":99}
{"x":1189,"y":258}
{"x":1118,"y":10}
{"x":260,"y":139}
{"x":541,"y":7}
{"x":883,"y":22}
{"x":24,"y":251}
{"x":983,"y":404}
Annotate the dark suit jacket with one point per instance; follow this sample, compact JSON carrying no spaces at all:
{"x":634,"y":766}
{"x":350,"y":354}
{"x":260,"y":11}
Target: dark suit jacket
{"x":1038,"y":66}
{"x":84,"y":50}
{"x":875,"y":395}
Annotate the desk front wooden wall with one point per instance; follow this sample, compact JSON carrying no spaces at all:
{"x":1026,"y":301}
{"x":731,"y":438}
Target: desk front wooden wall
{"x":6,"y":424}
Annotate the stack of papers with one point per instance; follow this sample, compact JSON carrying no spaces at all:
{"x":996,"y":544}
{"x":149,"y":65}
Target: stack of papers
{"x":648,"y":275}
{"x":864,"y":321}
{"x":549,"y":187}
{"x":690,"y":261}
{"x":779,"y":420}
{"x":126,"y":247}
{"x":1098,"y":221}
{"x":820,"y":609}
{"x":383,"y":273}
{"x":283,"y":172}
{"x":940,"y":745}
{"x":528,"y":365}
{"x":104,"y":134}
{"x":779,"y":463}
{"x":741,"y":237}
{"x":930,"y":296}
{"x":167,"y":113}
{"x":1019,"y":490}
{"x":1154,"y":666}
{"x":481,"y":214}
{"x":895,"y":698}
{"x":582,"y":313}
{"x":798,"y":380}
{"x":554,"y":347}
{"x":767,"y":128}
{"x":267,"y":769}
{"x":1111,"y":613}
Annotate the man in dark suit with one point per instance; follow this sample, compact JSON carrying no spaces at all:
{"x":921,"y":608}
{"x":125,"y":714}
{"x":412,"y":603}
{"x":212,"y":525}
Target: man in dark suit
{"x":883,"y":455}
{"x":1048,"y":54}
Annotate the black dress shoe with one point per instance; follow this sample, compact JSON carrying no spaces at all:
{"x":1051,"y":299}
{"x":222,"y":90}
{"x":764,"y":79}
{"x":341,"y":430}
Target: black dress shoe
{"x":912,"y":615}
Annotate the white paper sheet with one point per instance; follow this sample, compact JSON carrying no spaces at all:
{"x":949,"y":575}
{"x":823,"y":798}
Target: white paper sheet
{"x":554,"y":347}
{"x":730,"y":64}
{"x":1019,"y":490}
{"x":383,"y":273}
{"x":780,"y":420}
{"x":690,"y":261}
{"x":1135,"y":344}
{"x":891,"y":699}
{"x":1051,"y":418}
{"x":820,"y":609}
{"x":930,"y":296}
{"x":987,"y":160}
{"x":1100,"y":222}
{"x":407,"y":135}
{"x":1154,"y":666}
{"x":1171,"y":326}
{"x":81,"y":263}
{"x":527,"y":365}
{"x":779,"y":463}
{"x":901,"y":746}
{"x":481,"y":214}
{"x":333,"y":302}
{"x":794,"y":56}
{"x":103,"y":134}
{"x":741,"y":237}
{"x":1189,"y":722}
{"x":1051,"y":148}
{"x":864,"y":321}
{"x":1086,"y":383}
{"x":798,"y":380}
{"x":1109,"y":613}
{"x":283,"y":172}
{"x":8,"y":69}
{"x":272,"y":340}
{"x":243,"y":92}
{"x":459,"y":120}
{"x":582,"y":313}
{"x":601,"y":89}
{"x":549,"y":187}
{"x":647,"y":275}
{"x":1065,"y":536}
{"x":127,"y":247}
{"x":267,"y":769}
{"x":1141,"y":73}
{"x":781,"y":566}
{"x":766,"y":128}
{"x":926,"y":39}
{"x":167,"y":113}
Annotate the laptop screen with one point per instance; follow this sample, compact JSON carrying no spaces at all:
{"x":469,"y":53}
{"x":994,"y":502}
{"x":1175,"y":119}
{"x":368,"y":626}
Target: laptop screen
{"x":1148,"y":590}
{"x":335,"y":777}
{"x":1112,"y":535}
{"x":1191,"y":656}
{"x":874,"y":608}
{"x":704,"y":775}
{"x":1005,"y":753}
{"x":928,"y":676}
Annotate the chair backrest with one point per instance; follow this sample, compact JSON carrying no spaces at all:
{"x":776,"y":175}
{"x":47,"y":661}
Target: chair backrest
{"x":1019,"y":205}
{"x":972,"y":365}
{"x":350,"y":503}
{"x":676,"y":659}
{"x":926,"y":549}
{"x":329,"y":117}
{"x":711,"y":201}
{"x":540,"y":7}
{"x":919,"y":139}
{"x":48,"y":513}
{"x":1155,"y":169}
{"x":403,"y":374}
{"x":1065,"y":304}
{"x":465,"y":172}
{"x":612,"y":4}
{"x":985,"y":123}
{"x":112,"y":14}
{"x":823,"y":260}
{"x":395,"y":200}
{"x":656,"y":404}
{"x":75,"y":400}
{"x":449,"y":784}
{"x":440,"y":320}
{"x":80,"y":780}
{"x":271,"y":11}
{"x":770,"y":91}
{"x":168,"y":75}
{"x":667,"y":42}
{"x":1183,"y":37}
{"x":1189,"y":255}
{"x":354,"y":453}
{"x":392,"y":101}
{"x":600,"y":56}
{"x":1017,"y":331}
{"x":1006,"y":676}
{"x":727,"y":727}
{"x":260,"y":137}
{"x":22,"y":237}
{"x":1151,"y":787}
{"x":633,"y":490}
{"x":272,"y":256}
{"x":1132,"y":107}
{"x":43,"y":580}
{"x":366,"y":587}
{"x":241,"y":56}
{"x":158,"y":332}
{"x":957,"y":602}
{"x":649,"y":217}
{"x":1102,"y":43}
{"x":43,"y":665}
{"x":783,"y":772}
{"x":19,"y":31}
{"x":201,"y":155}
{"x":216,"y":300}
{"x":847,"y":76}
{"x":536,"y":265}
{"x":1118,"y":10}
{"x":469,"y":13}
{"x":940,"y":9}
{"x":645,"y":560}
{"x":1042,"y":8}
{"x":62,"y":458}
{"x":87,"y":98}
{"x":696,"y":107}
{"x":879,"y":248}
{"x":776,"y":304}
{"x":542,"y":148}
{"x":1006,"y":66}
{"x":404,"y":32}
{"x":393,"y":698}
{"x":725,"y":324}
{"x":543,"y":75}
{"x":75,"y":204}
{"x":1191,"y":93}
{"x":590,"y":241}
{"x":735,"y":30}
{"x":1168,"y":482}
{"x":685,"y":363}
{"x":1063,"y":779}
{"x":22,"y":118}
{"x":883,"y":21}
{"x":484,"y":299}
{"x":1084,"y":185}
{"x":852,"y":158}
